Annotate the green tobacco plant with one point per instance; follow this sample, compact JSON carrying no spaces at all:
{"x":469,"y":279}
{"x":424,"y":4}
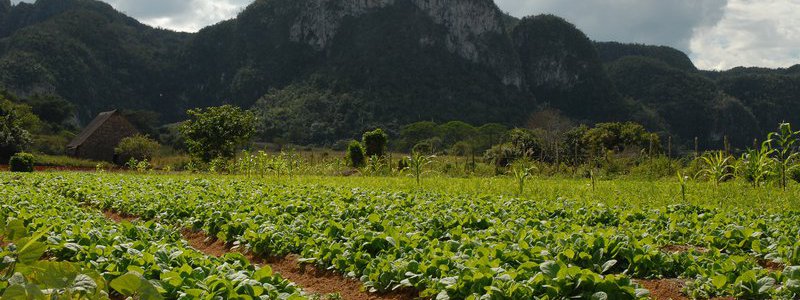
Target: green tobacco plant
{"x":716,"y":167}
{"x":26,"y":276}
{"x":783,"y":144}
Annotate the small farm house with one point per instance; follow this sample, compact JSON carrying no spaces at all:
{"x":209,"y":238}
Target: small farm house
{"x":98,"y":140}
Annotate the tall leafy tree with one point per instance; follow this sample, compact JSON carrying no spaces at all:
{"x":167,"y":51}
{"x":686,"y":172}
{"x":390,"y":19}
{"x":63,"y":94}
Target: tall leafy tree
{"x":375,"y":143}
{"x":217,"y":132}
{"x":15,"y":122}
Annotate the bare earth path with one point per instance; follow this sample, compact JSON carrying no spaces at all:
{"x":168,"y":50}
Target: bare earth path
{"x":309,"y":278}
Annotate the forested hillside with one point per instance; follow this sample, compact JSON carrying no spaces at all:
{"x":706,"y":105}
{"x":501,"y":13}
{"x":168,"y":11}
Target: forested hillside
{"x":317,"y":72}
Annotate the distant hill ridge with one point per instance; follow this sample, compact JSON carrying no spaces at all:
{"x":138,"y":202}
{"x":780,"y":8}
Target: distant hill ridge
{"x":320,"y":71}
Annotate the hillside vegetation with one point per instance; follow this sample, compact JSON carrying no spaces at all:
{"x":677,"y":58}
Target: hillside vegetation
{"x":320,"y":72}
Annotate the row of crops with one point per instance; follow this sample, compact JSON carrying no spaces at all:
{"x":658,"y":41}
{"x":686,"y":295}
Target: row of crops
{"x":55,"y":249}
{"x":445,"y":246}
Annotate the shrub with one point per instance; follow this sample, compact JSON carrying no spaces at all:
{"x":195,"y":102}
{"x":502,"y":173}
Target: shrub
{"x":21,"y":162}
{"x":375,"y":143}
{"x":403,"y":164}
{"x":137,"y":147}
{"x":655,"y":168}
{"x":355,"y":154}
{"x":502,"y":155}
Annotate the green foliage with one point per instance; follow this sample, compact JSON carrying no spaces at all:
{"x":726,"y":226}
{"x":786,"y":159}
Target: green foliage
{"x":355,"y":154}
{"x":134,"y":285}
{"x":521,"y":170}
{"x":619,"y":137}
{"x":263,"y":164}
{"x":417,"y":163}
{"x":414,"y":133}
{"x":682,"y":102}
{"x":434,"y":137}
{"x":784,"y":146}
{"x":91,"y":55}
{"x":51,"y":108}
{"x":63,"y":161}
{"x":654,"y":168}
{"x":771,"y":95}
{"x":140,"y":166}
{"x":756,"y":165}
{"x":561,"y":65}
{"x":21,"y":162}
{"x":389,"y":67}
{"x":15,"y":122}
{"x":217,"y":132}
{"x":310,"y":114}
{"x":795,"y":173}
{"x":56,"y":246}
{"x":612,"y":51}
{"x":375,"y":143}
{"x":456,"y":131}
{"x":137,"y":147}
{"x":717,"y":167}
{"x":558,"y":241}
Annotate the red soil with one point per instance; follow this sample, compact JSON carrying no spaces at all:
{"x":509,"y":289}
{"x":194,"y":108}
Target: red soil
{"x":664,"y":289}
{"x":771,"y":265}
{"x":117,"y":217}
{"x":309,"y":278}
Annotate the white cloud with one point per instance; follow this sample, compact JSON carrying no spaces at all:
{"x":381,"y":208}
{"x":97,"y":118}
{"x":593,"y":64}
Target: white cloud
{"x":180,"y":15}
{"x":658,"y":22}
{"x":752,"y":33}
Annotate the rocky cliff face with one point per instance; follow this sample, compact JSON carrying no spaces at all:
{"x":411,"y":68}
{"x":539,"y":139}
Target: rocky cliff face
{"x":472,"y":26}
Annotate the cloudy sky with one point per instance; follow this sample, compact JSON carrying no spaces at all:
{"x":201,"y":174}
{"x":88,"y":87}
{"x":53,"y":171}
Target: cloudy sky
{"x":717,"y":34}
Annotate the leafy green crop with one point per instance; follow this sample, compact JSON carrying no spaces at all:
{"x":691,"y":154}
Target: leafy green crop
{"x":446,"y":245}
{"x":59,"y":249}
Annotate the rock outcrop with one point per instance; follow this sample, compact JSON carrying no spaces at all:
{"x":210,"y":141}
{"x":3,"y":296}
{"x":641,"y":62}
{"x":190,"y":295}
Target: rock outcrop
{"x":472,"y":28}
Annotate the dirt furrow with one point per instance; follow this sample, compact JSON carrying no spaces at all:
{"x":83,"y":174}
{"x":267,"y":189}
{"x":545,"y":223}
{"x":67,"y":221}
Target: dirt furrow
{"x":309,"y":278}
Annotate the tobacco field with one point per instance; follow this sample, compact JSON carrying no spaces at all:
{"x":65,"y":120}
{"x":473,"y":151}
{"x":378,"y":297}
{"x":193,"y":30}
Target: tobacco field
{"x":446,"y":239}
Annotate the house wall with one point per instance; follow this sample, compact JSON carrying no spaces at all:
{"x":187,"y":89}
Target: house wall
{"x":100,"y":145}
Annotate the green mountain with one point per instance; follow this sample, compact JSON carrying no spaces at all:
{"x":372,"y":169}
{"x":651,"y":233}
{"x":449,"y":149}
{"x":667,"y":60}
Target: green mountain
{"x":321,"y":71}
{"x":88,"y":53}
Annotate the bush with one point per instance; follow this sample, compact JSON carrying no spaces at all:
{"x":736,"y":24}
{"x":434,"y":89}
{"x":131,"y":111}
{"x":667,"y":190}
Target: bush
{"x":656,"y":168}
{"x":375,"y":143}
{"x":21,"y":162}
{"x":137,"y":147}
{"x":355,"y":154}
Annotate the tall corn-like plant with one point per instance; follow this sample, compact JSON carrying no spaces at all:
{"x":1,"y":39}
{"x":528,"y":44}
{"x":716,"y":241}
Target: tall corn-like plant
{"x":755,"y":165}
{"x":716,"y":167}
{"x":521,"y":170}
{"x":783,"y":143}
{"x":682,"y":179}
{"x":417,"y":163}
